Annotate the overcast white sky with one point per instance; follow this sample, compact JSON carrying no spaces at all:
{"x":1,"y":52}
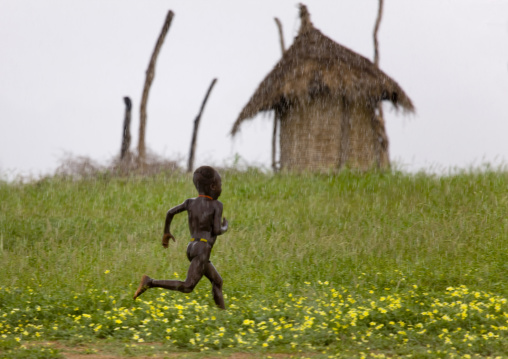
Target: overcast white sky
{"x":66,"y":65}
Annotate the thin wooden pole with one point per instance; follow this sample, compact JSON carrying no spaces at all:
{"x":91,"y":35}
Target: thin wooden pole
{"x":126,"y":135}
{"x":376,"y":29}
{"x":379,"y":128}
{"x":150,"y":74}
{"x":190,"y":164}
{"x":281,"y":36}
{"x":276,"y":118}
{"x":274,"y":141}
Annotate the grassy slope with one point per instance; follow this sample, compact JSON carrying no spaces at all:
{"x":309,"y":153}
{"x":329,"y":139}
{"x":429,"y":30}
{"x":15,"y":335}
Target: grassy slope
{"x":355,"y":231}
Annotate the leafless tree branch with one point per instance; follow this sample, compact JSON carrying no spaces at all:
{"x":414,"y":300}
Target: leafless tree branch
{"x":276,"y":119}
{"x":376,"y":29}
{"x":150,"y":74}
{"x":190,"y":164}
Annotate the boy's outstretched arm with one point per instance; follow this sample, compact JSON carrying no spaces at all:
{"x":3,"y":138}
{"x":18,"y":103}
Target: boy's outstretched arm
{"x":167,"y":224}
{"x":219,"y":228}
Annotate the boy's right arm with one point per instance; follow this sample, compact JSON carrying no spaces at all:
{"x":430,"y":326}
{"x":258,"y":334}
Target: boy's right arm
{"x":167,"y":225}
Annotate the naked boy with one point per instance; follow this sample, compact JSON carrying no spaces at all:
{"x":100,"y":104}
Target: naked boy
{"x":205,"y":214}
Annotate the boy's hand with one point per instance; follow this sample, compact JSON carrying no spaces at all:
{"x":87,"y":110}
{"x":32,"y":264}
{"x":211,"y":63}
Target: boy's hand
{"x":225,"y":224}
{"x":166,"y":238}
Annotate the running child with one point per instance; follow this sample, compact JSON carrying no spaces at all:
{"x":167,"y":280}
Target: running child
{"x":204,"y":214}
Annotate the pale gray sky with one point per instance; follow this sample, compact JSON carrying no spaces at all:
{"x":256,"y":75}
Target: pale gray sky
{"x":66,"y":65}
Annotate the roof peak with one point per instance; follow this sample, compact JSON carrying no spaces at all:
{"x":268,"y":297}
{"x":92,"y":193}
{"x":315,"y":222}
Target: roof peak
{"x":306,"y":24}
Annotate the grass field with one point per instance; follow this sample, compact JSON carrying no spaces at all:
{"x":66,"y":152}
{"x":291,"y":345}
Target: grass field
{"x":347,"y":265}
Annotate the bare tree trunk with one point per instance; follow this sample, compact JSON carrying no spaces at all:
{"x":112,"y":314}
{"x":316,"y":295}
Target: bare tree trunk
{"x":126,"y":136}
{"x":276,"y":118}
{"x":150,"y":74}
{"x":383,"y":160}
{"x":196,"y":126}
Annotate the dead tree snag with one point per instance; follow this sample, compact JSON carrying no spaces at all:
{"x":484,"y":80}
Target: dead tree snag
{"x":190,"y":164}
{"x":150,"y":74}
{"x":126,"y":135}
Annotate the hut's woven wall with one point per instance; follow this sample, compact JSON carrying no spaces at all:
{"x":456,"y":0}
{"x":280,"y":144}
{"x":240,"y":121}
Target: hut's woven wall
{"x":309,"y":137}
{"x":323,"y":135}
{"x":363,"y":146}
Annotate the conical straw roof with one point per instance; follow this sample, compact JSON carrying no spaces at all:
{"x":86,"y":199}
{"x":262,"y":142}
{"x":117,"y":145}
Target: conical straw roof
{"x":316,"y":64}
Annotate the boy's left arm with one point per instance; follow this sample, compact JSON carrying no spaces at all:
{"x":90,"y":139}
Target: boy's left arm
{"x":167,"y":224}
{"x":219,"y":228}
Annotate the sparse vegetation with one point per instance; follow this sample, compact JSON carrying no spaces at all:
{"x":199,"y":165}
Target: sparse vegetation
{"x":343,"y":265}
{"x":83,"y":167}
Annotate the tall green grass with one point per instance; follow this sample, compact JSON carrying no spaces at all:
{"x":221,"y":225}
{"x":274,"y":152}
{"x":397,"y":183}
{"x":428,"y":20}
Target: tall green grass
{"x":355,"y":231}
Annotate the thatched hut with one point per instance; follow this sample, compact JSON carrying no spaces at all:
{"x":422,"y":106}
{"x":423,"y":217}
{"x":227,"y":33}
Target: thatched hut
{"x":326,"y":97}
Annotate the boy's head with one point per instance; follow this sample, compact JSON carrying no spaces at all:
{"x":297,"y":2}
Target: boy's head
{"x":207,"y":181}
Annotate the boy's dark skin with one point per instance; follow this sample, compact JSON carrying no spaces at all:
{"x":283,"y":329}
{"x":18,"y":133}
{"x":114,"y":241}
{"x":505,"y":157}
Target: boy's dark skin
{"x":204,"y":214}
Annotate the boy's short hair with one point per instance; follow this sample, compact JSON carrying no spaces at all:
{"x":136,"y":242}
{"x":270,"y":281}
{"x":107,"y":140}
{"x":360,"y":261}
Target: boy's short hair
{"x":204,"y":177}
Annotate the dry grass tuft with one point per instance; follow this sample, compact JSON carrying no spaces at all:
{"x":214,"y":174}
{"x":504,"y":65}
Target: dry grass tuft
{"x":83,"y":167}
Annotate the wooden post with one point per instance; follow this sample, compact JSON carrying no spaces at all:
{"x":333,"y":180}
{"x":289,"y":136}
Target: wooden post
{"x":274,"y":141}
{"x":383,"y":160}
{"x":150,"y":74}
{"x":126,"y":136}
{"x":276,"y":118}
{"x":281,"y":36}
{"x":376,"y":29}
{"x":190,"y":164}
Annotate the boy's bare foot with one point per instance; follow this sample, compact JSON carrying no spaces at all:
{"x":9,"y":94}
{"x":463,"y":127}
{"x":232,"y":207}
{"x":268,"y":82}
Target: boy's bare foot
{"x":143,"y":285}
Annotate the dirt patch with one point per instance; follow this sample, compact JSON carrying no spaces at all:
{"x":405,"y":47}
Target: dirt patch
{"x":148,"y":350}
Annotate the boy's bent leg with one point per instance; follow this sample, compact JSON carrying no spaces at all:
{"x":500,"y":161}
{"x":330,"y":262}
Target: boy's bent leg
{"x":194,"y":274}
{"x":216,"y":280}
{"x":143,"y":285}
{"x":170,"y":284}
